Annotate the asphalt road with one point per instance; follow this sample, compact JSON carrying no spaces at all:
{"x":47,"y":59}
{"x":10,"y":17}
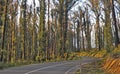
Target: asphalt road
{"x":66,"y":67}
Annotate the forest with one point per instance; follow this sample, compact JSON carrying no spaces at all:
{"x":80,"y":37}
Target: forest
{"x":43,"y":30}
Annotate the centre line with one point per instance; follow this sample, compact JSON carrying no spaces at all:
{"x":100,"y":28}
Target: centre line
{"x":71,"y":69}
{"x":45,"y":68}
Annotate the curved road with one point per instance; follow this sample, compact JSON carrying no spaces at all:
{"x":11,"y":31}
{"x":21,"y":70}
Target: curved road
{"x":67,"y":67}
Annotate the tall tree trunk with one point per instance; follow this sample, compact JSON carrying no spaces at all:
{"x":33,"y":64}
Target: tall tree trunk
{"x":98,"y":36}
{"x":65,"y":26}
{"x":48,"y":44}
{"x":42,"y":31}
{"x":33,"y":34}
{"x":107,"y":28}
{"x":4,"y":31}
{"x":25,"y":30}
{"x":78,"y":35}
{"x":61,"y":27}
{"x":115,"y":25}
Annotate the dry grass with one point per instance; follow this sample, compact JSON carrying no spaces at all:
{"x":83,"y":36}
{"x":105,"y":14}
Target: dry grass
{"x":92,"y":53}
{"x":112,"y":65}
{"x":91,"y":68}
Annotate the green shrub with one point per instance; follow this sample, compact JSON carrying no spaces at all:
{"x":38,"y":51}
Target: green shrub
{"x":3,"y":65}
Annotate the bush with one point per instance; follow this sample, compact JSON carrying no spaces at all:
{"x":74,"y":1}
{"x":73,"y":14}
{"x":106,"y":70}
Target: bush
{"x":3,"y":65}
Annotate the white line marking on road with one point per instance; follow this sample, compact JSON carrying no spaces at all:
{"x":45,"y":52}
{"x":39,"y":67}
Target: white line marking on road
{"x":74,"y":68}
{"x":71,"y":69}
{"x":45,"y":68}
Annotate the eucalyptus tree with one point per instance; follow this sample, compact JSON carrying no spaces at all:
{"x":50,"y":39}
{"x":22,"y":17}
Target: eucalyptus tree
{"x":88,"y":29}
{"x":2,"y":4}
{"x":42,"y":30}
{"x":78,"y":35}
{"x":82,"y":30}
{"x":63,"y":7}
{"x":48,"y":37}
{"x":115,"y":23}
{"x":4,"y":30}
{"x":23,"y":29}
{"x":68,"y":5}
{"x":12,"y":31}
{"x":34,"y":32}
{"x":108,"y":41}
{"x":55,"y":28}
{"x":77,"y":20}
{"x":96,"y":9}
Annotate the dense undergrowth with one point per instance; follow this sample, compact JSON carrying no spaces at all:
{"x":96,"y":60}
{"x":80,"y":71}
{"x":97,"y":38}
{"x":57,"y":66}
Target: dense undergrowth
{"x":93,"y":53}
{"x":112,"y":63}
{"x":91,"y":68}
{"x":7,"y":65}
{"x":109,"y":64}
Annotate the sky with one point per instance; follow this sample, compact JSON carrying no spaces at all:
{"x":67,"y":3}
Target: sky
{"x":31,"y":2}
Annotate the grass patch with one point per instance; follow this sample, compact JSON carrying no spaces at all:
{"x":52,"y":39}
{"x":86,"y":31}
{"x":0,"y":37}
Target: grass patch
{"x":8,"y":65}
{"x":91,"y":68}
{"x":93,"y":53}
{"x":25,"y":62}
{"x":2,"y":66}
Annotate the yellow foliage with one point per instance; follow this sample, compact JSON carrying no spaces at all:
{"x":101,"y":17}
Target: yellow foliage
{"x":119,"y":46}
{"x":12,"y":60}
{"x":92,"y":53}
{"x":100,"y":54}
{"x":112,"y":65}
{"x":116,"y":50}
{"x":83,"y":54}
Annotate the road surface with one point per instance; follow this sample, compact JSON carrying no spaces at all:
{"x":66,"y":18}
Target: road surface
{"x":66,"y":67}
